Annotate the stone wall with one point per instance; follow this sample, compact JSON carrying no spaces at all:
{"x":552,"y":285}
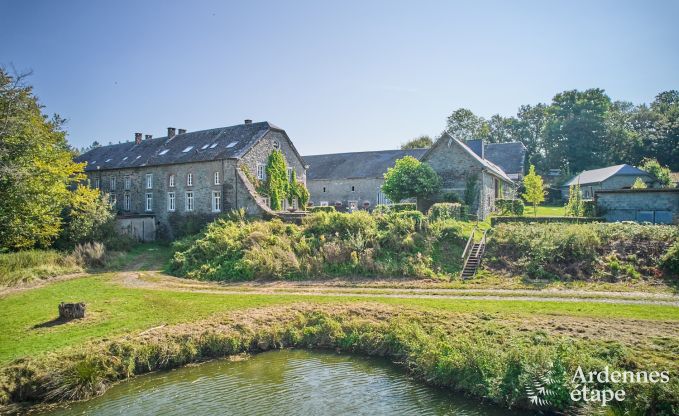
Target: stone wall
{"x":614,"y":182}
{"x":340,"y":190}
{"x":234,"y":192}
{"x":652,"y":205}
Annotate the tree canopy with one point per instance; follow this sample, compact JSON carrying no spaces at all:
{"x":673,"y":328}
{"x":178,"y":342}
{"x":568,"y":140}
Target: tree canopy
{"x":581,"y":130}
{"x":410,"y":178}
{"x":422,"y":142}
{"x":535,"y":194}
{"x":36,"y":168}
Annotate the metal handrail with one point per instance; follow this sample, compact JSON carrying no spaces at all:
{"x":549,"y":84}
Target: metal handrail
{"x":471,"y":237}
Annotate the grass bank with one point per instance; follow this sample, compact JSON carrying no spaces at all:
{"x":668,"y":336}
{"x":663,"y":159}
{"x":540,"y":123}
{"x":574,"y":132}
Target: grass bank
{"x":476,"y":355}
{"x":28,"y":265}
{"x":29,"y":327}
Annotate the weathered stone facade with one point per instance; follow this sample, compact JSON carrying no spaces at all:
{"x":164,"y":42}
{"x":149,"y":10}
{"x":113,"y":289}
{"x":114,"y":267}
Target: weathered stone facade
{"x":459,"y":167}
{"x":659,"y":206}
{"x":202,"y":188}
{"x":343,"y":194}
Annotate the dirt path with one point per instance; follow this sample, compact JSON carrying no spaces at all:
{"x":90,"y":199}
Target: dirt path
{"x":158,"y":281}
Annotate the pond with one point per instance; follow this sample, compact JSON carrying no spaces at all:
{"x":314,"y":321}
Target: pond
{"x":283,"y":382}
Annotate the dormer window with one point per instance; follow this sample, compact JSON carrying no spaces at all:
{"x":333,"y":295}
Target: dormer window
{"x":125,"y":158}
{"x":188,"y":149}
{"x":107,"y":160}
{"x":205,"y":146}
{"x":163,"y":152}
{"x":232,"y":144}
{"x":213,"y":145}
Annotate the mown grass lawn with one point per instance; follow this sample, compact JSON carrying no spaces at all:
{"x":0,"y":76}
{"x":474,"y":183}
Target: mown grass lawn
{"x":544,"y":211}
{"x":113,"y":310}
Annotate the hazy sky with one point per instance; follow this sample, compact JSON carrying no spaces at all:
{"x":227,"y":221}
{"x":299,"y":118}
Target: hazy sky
{"x":337,"y":76}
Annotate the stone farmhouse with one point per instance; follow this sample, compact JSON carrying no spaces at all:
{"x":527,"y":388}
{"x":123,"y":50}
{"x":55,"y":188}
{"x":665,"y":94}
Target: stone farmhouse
{"x":152,"y":180}
{"x":156,"y":182}
{"x":608,"y":178}
{"x":354,"y":180}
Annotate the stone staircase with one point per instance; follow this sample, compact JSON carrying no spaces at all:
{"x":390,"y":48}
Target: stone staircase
{"x":472,"y":255}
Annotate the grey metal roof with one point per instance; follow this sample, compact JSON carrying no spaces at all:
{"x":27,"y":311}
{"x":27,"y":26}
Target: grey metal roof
{"x":600,"y":175}
{"x":508,"y":156}
{"x":195,"y":146}
{"x":356,"y":165}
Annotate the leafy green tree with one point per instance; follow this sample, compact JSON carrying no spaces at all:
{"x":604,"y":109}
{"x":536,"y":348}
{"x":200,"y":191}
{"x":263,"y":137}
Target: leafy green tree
{"x":88,"y":218}
{"x":660,"y":172}
{"x":422,"y":142}
{"x":575,"y":207}
{"x":276,"y":184}
{"x":576,"y":130}
{"x":639,"y":184}
{"x":410,"y":178}
{"x":501,"y":129}
{"x":535,"y":193}
{"x":36,"y":168}
{"x":464,"y":125}
{"x":664,"y":143}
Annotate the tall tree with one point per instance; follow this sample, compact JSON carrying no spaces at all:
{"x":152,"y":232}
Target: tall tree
{"x":501,"y":129}
{"x":464,"y":125}
{"x":36,"y":168}
{"x":661,"y":173}
{"x":666,"y":145}
{"x":422,"y":142}
{"x":576,"y":132}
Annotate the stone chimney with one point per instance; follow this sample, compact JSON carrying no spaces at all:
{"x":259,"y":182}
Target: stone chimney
{"x":181,"y":131}
{"x":148,"y":137}
{"x":248,"y":121}
{"x":171,"y":132}
{"x":137,"y":138}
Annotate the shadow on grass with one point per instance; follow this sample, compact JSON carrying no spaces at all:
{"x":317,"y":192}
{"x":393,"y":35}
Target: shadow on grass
{"x":54,"y":322}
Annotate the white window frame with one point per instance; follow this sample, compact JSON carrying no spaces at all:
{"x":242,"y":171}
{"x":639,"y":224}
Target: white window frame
{"x":127,"y":183}
{"x":189,"y":203}
{"x":171,"y":202}
{"x":112,"y":183}
{"x":189,"y":179}
{"x":148,"y":202}
{"x":290,"y":170}
{"x":261,"y":172}
{"x":324,"y":203}
{"x":112,"y":199}
{"x":216,"y":176}
{"x":171,"y":180}
{"x":126,"y":201}
{"x":216,"y":201}
{"x":149,"y":181}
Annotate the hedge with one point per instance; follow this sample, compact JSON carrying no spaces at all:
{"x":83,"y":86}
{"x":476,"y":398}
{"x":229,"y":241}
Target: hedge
{"x":445,"y":210}
{"x":322,"y":209}
{"x":403,"y":206}
{"x":570,"y":220}
{"x":510,"y":206}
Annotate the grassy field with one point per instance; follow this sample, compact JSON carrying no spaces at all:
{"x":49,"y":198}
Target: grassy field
{"x":113,"y":309}
{"x":29,"y":265}
{"x":544,"y":211}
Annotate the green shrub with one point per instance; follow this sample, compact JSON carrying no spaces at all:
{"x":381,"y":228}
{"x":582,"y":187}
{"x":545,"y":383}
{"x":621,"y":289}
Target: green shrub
{"x":576,"y":251}
{"x":510,"y":206}
{"x":403,"y":206}
{"x":418,"y":218}
{"x":444,"y":211}
{"x":670,"y":260}
{"x":589,"y":208}
{"x":322,"y":209}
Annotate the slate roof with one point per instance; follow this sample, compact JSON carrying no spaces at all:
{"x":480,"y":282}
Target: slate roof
{"x":508,"y":156}
{"x":356,"y":165}
{"x":600,"y":175}
{"x":214,"y":144}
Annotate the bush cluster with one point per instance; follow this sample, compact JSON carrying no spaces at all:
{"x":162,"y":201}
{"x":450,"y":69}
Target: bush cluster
{"x":399,"y":243}
{"x":403,"y":206}
{"x":322,"y":209}
{"x":609,"y":251}
{"x":446,"y":210}
{"x":510,"y":206}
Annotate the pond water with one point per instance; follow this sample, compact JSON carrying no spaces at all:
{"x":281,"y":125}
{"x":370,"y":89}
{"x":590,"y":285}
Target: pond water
{"x":287,"y":382}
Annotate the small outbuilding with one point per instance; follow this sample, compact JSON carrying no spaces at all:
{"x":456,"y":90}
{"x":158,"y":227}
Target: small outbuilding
{"x":611,"y":177}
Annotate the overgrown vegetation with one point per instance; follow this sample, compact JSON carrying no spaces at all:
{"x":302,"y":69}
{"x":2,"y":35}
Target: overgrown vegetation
{"x":410,"y":178}
{"x":474,"y":355}
{"x":400,"y":243}
{"x":602,"y":251}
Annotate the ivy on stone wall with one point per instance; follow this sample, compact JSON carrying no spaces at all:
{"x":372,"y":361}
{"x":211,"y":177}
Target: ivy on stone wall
{"x":276,"y":185}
